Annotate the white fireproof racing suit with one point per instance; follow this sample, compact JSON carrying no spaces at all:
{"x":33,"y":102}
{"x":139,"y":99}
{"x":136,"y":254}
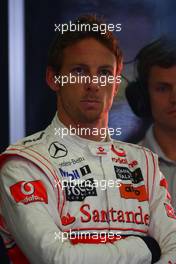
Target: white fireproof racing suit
{"x":71,"y":200}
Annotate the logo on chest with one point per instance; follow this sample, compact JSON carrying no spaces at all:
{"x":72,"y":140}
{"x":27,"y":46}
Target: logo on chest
{"x":113,"y":215}
{"x":79,"y":191}
{"x":75,"y":174}
{"x":124,"y":174}
{"x":129,"y":190}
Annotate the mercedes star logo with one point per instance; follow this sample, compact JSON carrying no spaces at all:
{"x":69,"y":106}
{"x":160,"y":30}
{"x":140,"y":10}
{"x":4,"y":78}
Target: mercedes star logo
{"x":57,"y":150}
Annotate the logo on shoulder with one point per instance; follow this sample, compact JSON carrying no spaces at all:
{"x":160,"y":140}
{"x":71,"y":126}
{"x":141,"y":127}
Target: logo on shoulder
{"x":29,"y":192}
{"x":34,"y":139}
{"x":170,"y":211}
{"x":163,"y":183}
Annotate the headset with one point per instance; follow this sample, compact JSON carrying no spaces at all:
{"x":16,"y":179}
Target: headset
{"x":161,"y":52}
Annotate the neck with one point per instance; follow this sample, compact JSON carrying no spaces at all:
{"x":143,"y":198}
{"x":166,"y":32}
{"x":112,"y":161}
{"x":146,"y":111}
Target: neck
{"x":95,"y":131}
{"x":166,"y":140}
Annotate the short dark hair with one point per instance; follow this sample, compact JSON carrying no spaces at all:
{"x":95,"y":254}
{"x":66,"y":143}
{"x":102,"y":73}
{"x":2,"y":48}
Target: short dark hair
{"x":161,"y":52}
{"x":68,"y":38}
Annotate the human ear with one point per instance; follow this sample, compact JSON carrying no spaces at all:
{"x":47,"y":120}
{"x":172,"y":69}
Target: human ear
{"x":51,"y":79}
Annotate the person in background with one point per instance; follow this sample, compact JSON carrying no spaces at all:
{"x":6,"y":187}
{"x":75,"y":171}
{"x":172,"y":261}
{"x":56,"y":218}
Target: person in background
{"x":81,"y":197}
{"x":153,"y":94}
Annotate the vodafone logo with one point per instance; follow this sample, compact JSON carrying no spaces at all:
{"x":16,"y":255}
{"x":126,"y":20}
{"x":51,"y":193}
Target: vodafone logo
{"x":27,"y":188}
{"x":28,"y":192}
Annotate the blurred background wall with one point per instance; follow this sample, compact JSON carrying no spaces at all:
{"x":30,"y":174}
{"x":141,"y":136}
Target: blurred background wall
{"x":26,"y":30}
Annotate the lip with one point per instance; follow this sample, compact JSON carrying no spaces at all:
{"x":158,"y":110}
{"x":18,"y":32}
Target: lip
{"x":171,"y":112}
{"x":90,"y":103}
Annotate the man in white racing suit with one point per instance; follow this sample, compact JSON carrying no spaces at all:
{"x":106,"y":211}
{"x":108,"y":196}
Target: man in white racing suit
{"x":69,"y":195}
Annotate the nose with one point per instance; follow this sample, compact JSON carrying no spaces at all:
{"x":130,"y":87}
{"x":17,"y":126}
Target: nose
{"x":92,"y":83}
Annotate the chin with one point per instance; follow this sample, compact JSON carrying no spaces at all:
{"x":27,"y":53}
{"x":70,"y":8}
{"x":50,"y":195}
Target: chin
{"x":90,"y":118}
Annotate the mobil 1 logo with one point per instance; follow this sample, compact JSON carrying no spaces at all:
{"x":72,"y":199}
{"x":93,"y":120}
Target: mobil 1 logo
{"x":75,"y":173}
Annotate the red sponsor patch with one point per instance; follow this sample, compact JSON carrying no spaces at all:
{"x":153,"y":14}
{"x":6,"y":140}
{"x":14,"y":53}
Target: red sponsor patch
{"x":164,"y":184}
{"x":101,"y":150}
{"x":67,"y":219}
{"x":128,"y":191}
{"x":29,"y":192}
{"x":170,"y":211}
{"x":119,"y":152}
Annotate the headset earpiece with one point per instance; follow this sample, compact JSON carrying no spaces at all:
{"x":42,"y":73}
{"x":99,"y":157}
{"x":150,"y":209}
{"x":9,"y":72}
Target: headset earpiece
{"x":138,"y":99}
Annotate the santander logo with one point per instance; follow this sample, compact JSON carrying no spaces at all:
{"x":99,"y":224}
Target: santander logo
{"x":67,"y":219}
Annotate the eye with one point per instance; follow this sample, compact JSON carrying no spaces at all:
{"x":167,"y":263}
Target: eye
{"x":78,"y":70}
{"x":105,"y":72}
{"x":162,"y":88}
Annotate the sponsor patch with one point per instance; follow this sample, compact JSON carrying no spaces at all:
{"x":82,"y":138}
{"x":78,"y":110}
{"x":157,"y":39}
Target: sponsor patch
{"x":57,"y":150}
{"x":137,"y":216}
{"x":79,"y":191}
{"x":73,"y":174}
{"x":67,"y":219}
{"x":34,"y":139}
{"x":125,"y":174}
{"x":163,"y":183}
{"x":71,"y":162}
{"x":128,"y":191}
{"x":119,"y":152}
{"x":101,"y":151}
{"x":170,"y":211}
{"x":85,"y":170}
{"x":29,"y":192}
{"x":131,"y":164}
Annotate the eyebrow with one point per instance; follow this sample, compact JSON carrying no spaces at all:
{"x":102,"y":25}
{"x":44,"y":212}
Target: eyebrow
{"x":107,"y":66}
{"x":86,"y":65}
{"x":164,"y":83}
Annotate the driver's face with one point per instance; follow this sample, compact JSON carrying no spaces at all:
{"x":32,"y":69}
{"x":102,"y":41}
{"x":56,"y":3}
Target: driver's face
{"x":87,"y":102}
